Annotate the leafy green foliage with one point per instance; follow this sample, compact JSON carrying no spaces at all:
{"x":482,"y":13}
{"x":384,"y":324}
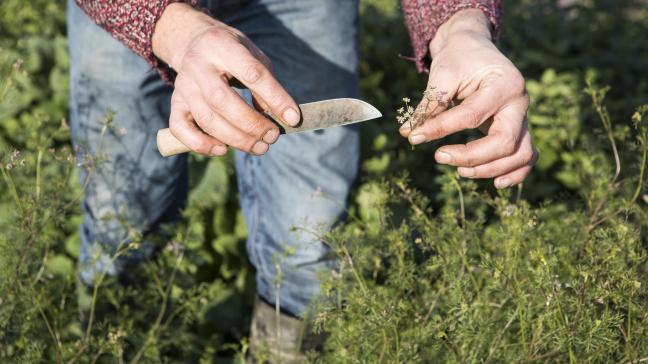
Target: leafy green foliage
{"x":433,"y":268}
{"x":491,"y":278}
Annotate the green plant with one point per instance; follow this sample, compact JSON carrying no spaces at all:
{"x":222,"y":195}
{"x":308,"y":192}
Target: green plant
{"x":492,"y":278}
{"x":433,"y":268}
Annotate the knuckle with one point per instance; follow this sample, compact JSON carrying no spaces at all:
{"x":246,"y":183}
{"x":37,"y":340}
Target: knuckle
{"x":276,"y":99}
{"x":195,"y":144}
{"x":202,"y":147}
{"x":211,"y":36}
{"x":242,"y":142}
{"x":527,"y":157}
{"x":175,"y":127}
{"x":526,"y":100}
{"x":508,"y":144}
{"x":216,"y":95}
{"x":518,"y":83}
{"x":535,"y":157}
{"x":468,"y":116}
{"x":202,"y":118}
{"x":472,"y":117}
{"x":508,"y":149}
{"x":253,"y":72}
{"x":436,"y":129}
{"x":483,"y":172}
{"x":253,"y":127}
{"x":470,"y":160}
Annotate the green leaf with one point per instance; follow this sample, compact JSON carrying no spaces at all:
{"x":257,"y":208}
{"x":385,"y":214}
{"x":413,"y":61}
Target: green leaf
{"x":60,"y":265}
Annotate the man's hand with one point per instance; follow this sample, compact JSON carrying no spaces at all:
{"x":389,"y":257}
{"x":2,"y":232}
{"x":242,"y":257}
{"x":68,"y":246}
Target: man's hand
{"x":207,"y":115}
{"x":467,"y":67}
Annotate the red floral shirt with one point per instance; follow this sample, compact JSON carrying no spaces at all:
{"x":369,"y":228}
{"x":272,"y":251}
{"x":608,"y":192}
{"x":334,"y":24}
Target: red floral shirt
{"x":132,"y":22}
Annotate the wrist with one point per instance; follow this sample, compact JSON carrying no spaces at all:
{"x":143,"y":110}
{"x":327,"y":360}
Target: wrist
{"x":174,"y":31}
{"x":468,"y":22}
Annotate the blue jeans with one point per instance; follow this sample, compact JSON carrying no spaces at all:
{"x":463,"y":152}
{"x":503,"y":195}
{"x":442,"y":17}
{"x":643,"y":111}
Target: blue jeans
{"x":313,"y":45}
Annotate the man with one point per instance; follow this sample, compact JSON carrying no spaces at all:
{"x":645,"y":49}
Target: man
{"x":285,"y":52}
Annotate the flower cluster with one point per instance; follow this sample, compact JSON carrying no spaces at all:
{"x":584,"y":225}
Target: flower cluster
{"x":407,"y":113}
{"x":14,"y":161}
{"x":432,"y":94}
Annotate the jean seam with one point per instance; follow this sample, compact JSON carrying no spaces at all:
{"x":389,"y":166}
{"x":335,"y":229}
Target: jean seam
{"x":256,"y":216}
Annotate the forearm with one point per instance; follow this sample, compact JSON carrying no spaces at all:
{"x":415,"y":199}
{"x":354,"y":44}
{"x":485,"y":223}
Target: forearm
{"x":424,"y":19}
{"x":132,"y":22}
{"x":177,"y":26}
{"x":469,"y":22}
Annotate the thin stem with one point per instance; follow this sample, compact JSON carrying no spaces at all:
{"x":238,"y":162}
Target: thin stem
{"x":39,"y":274}
{"x":98,"y":355}
{"x":597,"y":99}
{"x":158,"y":321}
{"x":12,"y":186}
{"x":397,"y":344}
{"x":641,"y":173}
{"x":347,"y":255}
{"x":353,"y":270}
{"x":384,"y":347}
{"x":498,"y":339}
{"x":39,"y":162}
{"x":95,"y":292}
{"x":642,"y":360}
{"x":462,"y":210}
{"x":417,"y":209}
{"x":51,"y":330}
{"x":93,"y":304}
{"x":629,"y":329}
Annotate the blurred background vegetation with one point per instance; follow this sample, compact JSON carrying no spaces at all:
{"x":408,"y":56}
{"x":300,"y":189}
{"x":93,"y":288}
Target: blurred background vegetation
{"x":196,"y":305}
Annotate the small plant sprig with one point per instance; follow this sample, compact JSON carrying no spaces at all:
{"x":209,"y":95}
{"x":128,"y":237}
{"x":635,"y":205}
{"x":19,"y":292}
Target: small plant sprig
{"x":405,"y":113}
{"x":414,"y":117}
{"x":408,"y":114}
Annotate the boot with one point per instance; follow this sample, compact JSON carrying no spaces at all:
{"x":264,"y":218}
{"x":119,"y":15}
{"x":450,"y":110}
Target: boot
{"x":282,"y":338}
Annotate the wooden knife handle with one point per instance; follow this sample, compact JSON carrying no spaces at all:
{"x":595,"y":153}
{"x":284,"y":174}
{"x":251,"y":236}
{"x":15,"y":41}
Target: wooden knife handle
{"x":169,"y":145}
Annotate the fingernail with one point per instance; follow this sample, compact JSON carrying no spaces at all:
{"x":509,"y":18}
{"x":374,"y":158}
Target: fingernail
{"x":417,"y":139}
{"x":271,"y":136}
{"x":260,"y":148}
{"x":443,"y":158}
{"x":218,"y":151}
{"x":502,"y":183}
{"x":465,"y":172}
{"x":291,"y":116}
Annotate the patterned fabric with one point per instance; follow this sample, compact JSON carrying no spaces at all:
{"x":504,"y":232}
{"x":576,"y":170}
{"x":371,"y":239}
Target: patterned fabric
{"x":132,"y":22}
{"x":424,"y":17}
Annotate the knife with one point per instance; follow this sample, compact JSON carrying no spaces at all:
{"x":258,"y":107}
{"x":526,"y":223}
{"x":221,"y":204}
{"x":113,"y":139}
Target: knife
{"x":315,"y":116}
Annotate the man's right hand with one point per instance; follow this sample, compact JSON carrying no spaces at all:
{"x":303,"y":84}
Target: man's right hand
{"x":207,"y":115}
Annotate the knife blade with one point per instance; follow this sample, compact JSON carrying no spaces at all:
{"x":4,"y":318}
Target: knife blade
{"x":315,"y":116}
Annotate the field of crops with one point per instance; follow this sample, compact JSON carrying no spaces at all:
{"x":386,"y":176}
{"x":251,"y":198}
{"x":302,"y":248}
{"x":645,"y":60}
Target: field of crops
{"x":435,"y":268}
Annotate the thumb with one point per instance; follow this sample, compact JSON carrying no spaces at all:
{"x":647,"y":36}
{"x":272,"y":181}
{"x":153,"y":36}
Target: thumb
{"x":437,"y":97}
